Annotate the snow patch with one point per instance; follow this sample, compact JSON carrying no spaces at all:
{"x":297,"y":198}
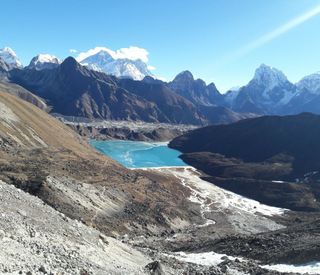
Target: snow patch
{"x":224,"y":198}
{"x":214,"y":200}
{"x":310,"y":268}
{"x":207,"y":258}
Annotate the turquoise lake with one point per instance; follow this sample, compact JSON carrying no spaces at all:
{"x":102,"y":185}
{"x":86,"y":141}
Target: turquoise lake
{"x":138,"y":154}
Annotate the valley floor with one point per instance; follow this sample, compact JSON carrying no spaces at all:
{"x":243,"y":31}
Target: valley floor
{"x":125,"y":130}
{"x":224,"y":214}
{"x":39,"y":239}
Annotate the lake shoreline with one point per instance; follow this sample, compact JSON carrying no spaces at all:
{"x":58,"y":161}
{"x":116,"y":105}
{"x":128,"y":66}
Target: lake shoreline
{"x":139,"y":154}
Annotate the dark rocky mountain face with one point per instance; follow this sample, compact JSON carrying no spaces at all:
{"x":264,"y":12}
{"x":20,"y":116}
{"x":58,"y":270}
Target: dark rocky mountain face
{"x":74,"y":90}
{"x":175,"y":108}
{"x":195,"y":90}
{"x":260,"y":152}
{"x":220,"y":115}
{"x":261,"y":139}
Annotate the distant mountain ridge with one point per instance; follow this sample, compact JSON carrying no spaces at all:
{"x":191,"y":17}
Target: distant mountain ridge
{"x":268,"y":93}
{"x":73,"y":90}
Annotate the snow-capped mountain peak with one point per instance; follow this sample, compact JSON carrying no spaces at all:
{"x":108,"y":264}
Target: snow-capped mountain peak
{"x":310,"y":83}
{"x":10,"y":57}
{"x":98,"y":61}
{"x":47,"y":58}
{"x":269,"y":77}
{"x":44,"y":61}
{"x":124,"y":63}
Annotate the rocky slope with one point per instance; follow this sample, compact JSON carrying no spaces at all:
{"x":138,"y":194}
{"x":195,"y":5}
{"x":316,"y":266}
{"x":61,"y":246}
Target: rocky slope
{"x":296,"y":245}
{"x":43,"y":157}
{"x":24,"y":94}
{"x":37,"y":239}
{"x":50,"y":160}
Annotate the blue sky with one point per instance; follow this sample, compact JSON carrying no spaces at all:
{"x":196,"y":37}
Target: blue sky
{"x":221,"y":41}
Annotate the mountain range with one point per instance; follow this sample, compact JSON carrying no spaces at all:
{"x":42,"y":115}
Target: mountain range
{"x":101,"y":86}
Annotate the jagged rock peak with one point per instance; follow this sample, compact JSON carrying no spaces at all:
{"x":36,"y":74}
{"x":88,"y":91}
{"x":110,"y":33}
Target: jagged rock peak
{"x":269,"y":76}
{"x":185,"y":75}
